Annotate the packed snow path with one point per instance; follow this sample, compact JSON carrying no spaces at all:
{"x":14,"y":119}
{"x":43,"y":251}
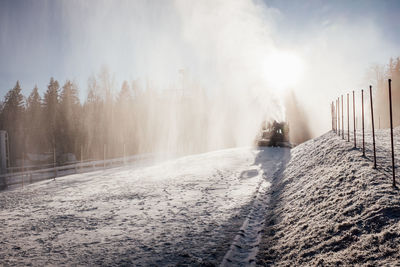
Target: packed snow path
{"x":244,"y":248}
{"x":184,"y":211}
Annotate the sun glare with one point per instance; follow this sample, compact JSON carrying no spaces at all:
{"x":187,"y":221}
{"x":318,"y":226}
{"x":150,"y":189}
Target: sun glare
{"x":284,"y":69}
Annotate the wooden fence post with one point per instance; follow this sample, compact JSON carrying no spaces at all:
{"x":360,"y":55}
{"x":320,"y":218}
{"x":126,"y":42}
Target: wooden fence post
{"x":354,"y":119}
{"x":54,"y":162}
{"x":23,"y":168}
{"x":125,"y":148}
{"x":379,"y":122}
{"x":332,"y":116}
{"x":373,"y":128}
{"x":391,"y":131}
{"x":104,"y":155}
{"x":338,"y":109}
{"x":336,"y":117}
{"x":348,"y":119}
{"x":81,"y":158}
{"x":362,"y":107}
{"x":335,"y":121}
{"x":342,"y":120}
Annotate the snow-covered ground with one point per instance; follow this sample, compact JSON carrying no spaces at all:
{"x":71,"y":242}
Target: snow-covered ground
{"x":182,"y":211}
{"x":320,"y":203}
{"x":328,"y":206}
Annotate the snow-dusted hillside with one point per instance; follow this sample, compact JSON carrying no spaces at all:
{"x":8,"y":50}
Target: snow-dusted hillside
{"x":330,"y":207}
{"x":184,"y":211}
{"x":319,"y":203}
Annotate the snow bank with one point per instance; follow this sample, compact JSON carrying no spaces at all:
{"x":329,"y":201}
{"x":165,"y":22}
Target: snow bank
{"x":330,"y":207}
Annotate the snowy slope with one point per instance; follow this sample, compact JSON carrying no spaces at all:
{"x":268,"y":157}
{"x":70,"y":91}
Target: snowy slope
{"x":180,"y":212}
{"x":330,"y":207}
{"x":319,"y":203}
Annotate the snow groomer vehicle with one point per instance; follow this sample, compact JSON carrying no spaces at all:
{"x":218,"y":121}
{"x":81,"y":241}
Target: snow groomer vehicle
{"x":274,"y":134}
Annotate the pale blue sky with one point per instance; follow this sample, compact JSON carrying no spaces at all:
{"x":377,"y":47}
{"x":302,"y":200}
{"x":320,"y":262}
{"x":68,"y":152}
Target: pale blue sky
{"x":73,"y":39}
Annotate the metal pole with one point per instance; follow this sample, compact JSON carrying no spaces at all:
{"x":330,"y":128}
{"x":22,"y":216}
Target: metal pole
{"x":330,"y":106}
{"x":348,"y":119}
{"x":104,"y":155}
{"x":54,"y":161}
{"x":124,"y":154}
{"x":338,"y":104}
{"x":23,"y":168}
{"x":342,"y":120}
{"x":379,"y":126}
{"x":391,"y":131}
{"x":354,"y":120}
{"x":334,"y":116}
{"x":373,"y":128}
{"x":81,"y":158}
{"x":338,"y":117}
{"x":362,"y":105}
{"x":333,"y":129}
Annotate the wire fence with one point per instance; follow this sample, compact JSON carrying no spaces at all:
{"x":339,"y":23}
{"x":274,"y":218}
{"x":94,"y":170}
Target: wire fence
{"x":34,"y":175}
{"x":337,"y":113}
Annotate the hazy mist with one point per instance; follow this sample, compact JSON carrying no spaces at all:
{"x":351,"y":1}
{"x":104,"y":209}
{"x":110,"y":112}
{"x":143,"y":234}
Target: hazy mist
{"x":212,"y":71}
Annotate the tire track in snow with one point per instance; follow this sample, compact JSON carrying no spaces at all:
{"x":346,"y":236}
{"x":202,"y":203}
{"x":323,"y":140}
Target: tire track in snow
{"x":244,"y":248}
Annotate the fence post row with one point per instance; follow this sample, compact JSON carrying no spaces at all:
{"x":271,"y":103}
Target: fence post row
{"x":336,"y":122}
{"x":391,"y":130}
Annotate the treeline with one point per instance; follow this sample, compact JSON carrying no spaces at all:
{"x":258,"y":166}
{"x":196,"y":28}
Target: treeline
{"x":380,"y":75}
{"x":111,"y":122}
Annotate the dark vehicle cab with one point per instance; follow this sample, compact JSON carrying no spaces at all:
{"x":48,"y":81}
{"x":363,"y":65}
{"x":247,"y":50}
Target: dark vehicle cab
{"x":274,"y":134}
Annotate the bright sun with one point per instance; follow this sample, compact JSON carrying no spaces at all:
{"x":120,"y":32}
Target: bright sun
{"x":284,"y":69}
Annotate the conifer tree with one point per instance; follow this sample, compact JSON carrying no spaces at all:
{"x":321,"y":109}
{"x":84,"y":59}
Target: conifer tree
{"x":50,"y":105}
{"x":69,"y":123}
{"x":93,"y":121}
{"x":124,"y":120}
{"x":34,"y":123}
{"x":12,"y":117}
